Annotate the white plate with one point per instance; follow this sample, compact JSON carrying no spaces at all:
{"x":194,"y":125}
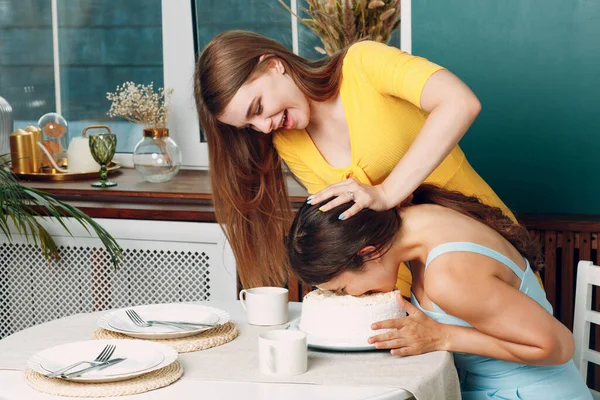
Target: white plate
{"x":139,"y":358}
{"x":333,"y":344}
{"x":118,"y":321}
{"x":142,"y":357}
{"x":183,"y":312}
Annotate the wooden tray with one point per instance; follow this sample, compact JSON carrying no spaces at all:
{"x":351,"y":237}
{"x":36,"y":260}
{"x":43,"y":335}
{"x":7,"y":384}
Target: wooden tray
{"x":54,"y":175}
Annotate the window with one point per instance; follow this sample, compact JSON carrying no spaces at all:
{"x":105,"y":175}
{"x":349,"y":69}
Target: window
{"x":26,"y":71}
{"x":211,"y":17}
{"x":63,"y":56}
{"x":188,"y":26}
{"x":266,"y":17}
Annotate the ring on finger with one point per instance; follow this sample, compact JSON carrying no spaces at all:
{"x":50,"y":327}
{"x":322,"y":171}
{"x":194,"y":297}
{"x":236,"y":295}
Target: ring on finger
{"x":351,"y":194}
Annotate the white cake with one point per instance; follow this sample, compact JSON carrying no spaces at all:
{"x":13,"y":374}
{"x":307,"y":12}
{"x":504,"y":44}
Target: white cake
{"x":332,"y":316}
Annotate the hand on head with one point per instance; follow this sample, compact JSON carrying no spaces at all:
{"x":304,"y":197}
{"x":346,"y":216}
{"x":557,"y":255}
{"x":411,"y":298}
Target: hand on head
{"x":321,"y":248}
{"x":363,"y":196}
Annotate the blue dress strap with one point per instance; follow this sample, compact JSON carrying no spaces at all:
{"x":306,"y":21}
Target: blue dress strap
{"x":473,"y":248}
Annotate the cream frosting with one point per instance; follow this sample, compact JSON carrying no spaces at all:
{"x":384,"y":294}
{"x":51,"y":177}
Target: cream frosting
{"x":330,"y":315}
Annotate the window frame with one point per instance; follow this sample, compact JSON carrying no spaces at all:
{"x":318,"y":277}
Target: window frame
{"x":179,"y":59}
{"x":178,"y":68}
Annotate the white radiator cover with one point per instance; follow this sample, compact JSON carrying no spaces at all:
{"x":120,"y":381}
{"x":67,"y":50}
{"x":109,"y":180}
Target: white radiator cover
{"x":163,"y":262}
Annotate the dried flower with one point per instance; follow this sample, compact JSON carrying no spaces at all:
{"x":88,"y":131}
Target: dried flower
{"x":376,"y":4}
{"x":339,"y":23}
{"x":140,"y":104}
{"x":387,"y":14}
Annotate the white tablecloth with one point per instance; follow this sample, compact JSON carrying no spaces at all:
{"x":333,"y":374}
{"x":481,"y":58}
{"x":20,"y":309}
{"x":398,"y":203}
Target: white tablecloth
{"x":231,"y":368}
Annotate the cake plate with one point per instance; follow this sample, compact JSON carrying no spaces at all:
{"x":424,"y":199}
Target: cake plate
{"x":333,"y":344}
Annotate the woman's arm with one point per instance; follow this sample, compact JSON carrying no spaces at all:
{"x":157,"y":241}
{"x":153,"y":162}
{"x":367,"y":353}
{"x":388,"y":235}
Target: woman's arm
{"x":453,"y":107}
{"x":472,"y":341}
{"x":511,"y":326}
{"x":507,"y":324}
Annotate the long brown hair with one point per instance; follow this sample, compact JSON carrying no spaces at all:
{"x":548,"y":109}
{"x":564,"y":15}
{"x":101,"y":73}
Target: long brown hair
{"x":249,"y":190}
{"x":320,"y":246}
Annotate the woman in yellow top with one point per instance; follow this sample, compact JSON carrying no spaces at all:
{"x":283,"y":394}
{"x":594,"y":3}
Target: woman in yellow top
{"x":368,"y":124}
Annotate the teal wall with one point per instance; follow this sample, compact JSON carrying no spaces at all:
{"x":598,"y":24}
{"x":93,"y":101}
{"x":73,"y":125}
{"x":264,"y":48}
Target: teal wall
{"x":535,"y":66}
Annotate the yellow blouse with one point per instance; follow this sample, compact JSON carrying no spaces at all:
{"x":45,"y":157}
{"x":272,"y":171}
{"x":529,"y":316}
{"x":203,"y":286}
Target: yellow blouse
{"x":380,"y":90}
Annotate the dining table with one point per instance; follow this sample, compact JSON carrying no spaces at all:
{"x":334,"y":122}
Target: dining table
{"x":230,"y":371}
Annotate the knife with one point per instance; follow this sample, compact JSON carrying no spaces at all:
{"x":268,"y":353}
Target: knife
{"x":100,"y":366}
{"x":212,"y":325}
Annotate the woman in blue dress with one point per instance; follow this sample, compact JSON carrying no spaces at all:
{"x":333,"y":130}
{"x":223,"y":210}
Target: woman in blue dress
{"x":474,"y":290}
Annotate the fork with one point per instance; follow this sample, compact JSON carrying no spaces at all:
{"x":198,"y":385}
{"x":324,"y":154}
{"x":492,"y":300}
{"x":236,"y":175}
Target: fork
{"x":182,"y":323}
{"x":104,"y":356}
{"x":139,"y":321}
{"x":106,"y":364}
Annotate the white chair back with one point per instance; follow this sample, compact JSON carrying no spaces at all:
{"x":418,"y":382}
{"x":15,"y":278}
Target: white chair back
{"x":588,"y":276}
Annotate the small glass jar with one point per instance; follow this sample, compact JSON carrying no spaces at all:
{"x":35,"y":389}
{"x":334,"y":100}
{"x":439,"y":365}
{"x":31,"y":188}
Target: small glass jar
{"x":156,"y":157}
{"x":55,"y":132}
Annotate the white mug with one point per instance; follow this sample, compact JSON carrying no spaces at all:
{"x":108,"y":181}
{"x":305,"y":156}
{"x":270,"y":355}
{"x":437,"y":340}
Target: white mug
{"x":282,"y":353}
{"x":265,"y":305}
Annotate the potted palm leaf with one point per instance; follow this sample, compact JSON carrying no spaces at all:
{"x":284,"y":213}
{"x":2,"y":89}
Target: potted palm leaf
{"x":24,"y":206}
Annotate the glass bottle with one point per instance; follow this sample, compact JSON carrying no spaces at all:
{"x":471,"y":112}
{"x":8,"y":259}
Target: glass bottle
{"x":156,"y":157}
{"x":6,"y":125}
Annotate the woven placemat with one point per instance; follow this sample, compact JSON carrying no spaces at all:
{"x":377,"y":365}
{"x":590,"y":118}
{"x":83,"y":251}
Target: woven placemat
{"x":205,"y":340}
{"x":143,"y":383}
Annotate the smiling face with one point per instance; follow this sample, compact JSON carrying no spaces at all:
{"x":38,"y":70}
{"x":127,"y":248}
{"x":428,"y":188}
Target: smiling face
{"x":270,"y":102}
{"x":376,"y":276}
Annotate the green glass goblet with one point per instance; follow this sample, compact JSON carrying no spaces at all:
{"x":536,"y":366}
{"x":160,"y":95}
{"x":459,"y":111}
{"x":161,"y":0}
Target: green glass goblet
{"x":103,"y":147}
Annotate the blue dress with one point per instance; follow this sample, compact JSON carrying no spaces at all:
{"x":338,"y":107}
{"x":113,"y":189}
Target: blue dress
{"x":487,"y":378}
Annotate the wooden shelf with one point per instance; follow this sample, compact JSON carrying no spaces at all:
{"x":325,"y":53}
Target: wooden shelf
{"x":187,"y":197}
{"x":561,"y":222}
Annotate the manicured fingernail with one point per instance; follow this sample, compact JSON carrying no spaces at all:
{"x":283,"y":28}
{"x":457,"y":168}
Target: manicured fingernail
{"x":309,"y":199}
{"x":342,"y":216}
{"x":321,"y":209}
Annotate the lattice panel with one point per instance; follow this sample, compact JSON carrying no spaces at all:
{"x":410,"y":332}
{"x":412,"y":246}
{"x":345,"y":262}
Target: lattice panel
{"x":33,"y":291}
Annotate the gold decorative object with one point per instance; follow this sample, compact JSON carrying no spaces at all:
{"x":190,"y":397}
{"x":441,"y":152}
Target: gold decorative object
{"x":48,"y":174}
{"x":24,"y":154}
{"x":54,"y":136}
{"x":53,"y":129}
{"x":156,"y":132}
{"x":38,"y":156}
{"x":27,"y":157}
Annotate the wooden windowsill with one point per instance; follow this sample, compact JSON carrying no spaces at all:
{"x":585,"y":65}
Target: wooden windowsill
{"x":187,"y":197}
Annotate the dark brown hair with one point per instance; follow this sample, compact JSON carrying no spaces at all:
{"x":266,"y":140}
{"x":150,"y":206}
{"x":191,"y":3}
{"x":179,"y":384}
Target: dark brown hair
{"x":320,"y":247}
{"x":249,"y":190}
